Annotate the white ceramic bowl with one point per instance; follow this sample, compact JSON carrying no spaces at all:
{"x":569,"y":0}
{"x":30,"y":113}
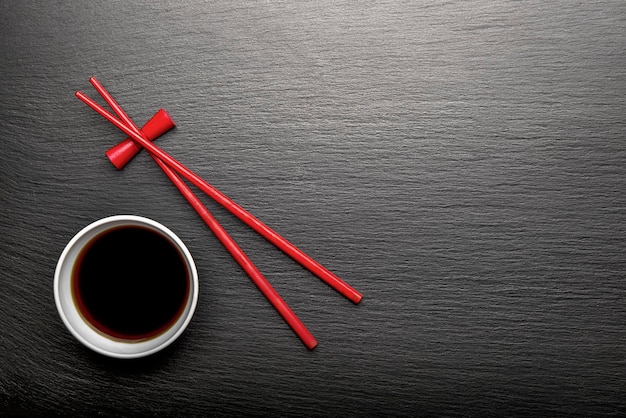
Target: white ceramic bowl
{"x":87,"y":334}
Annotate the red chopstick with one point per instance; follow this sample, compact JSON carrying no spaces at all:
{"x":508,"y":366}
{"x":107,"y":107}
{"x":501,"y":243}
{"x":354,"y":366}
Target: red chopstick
{"x":227,"y":241}
{"x":272,"y":236}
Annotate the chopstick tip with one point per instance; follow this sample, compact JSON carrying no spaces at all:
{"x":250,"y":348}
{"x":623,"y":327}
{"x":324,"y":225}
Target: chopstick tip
{"x":311,"y":344}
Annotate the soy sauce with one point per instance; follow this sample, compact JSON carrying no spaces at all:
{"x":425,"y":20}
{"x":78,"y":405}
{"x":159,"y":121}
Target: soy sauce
{"x":131,"y":283}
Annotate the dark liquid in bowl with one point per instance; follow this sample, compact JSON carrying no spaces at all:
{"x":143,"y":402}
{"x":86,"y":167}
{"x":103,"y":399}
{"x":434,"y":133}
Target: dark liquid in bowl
{"x":131,"y":283}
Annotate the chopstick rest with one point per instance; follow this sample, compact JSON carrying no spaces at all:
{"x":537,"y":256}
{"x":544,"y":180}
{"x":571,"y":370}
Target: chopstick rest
{"x":122,"y":153}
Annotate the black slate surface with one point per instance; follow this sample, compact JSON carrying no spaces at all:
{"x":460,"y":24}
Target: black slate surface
{"x":462,"y":164}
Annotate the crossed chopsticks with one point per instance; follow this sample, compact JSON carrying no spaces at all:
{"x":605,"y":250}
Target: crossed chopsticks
{"x":174,"y":170}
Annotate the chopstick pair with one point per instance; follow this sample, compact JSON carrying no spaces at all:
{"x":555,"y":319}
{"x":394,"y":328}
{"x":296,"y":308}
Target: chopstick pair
{"x":172,"y":168}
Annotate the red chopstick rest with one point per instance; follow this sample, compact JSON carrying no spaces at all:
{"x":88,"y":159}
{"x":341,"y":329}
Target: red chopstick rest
{"x":123,"y":152}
